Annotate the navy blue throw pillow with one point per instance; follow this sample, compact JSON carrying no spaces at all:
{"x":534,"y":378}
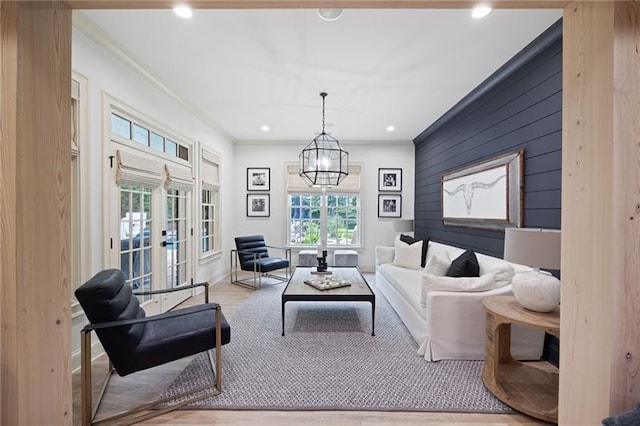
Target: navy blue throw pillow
{"x":425,"y":245}
{"x":465,"y":265}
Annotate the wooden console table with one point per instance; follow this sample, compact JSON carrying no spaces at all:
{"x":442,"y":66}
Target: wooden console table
{"x":522,"y":387}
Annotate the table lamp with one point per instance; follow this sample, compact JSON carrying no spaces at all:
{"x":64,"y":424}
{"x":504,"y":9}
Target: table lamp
{"x":539,"y":248}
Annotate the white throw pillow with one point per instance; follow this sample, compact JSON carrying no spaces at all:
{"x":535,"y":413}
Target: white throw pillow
{"x":408,"y":255}
{"x":503,"y":270}
{"x":504,"y":275}
{"x":437,"y":266}
{"x":433,"y":283}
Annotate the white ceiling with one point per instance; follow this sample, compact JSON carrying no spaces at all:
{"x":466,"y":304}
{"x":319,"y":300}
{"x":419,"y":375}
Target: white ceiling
{"x":247,"y":68}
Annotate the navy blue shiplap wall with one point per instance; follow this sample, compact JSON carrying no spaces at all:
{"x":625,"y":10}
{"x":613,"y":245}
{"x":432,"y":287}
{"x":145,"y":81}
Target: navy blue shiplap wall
{"x":519,"y":107}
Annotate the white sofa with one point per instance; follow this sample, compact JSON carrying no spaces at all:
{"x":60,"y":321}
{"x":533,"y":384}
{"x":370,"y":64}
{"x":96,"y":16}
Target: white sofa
{"x":452,"y":324}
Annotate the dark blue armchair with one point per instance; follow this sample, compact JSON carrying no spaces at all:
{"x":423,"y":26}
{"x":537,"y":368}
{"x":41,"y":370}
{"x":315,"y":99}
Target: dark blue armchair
{"x":135,"y":342}
{"x":252,"y":254}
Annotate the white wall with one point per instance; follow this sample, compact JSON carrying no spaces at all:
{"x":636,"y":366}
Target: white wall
{"x":375,"y":231}
{"x":106,"y":74}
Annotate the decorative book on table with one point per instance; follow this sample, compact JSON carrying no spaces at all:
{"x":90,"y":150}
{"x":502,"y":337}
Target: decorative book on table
{"x":326,"y":282}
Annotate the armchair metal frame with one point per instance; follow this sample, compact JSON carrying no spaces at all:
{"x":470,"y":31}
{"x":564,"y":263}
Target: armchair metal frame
{"x":129,"y":417}
{"x":257,"y":275}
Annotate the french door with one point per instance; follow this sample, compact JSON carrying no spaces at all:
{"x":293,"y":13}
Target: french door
{"x":153,"y":241}
{"x":177,"y":244}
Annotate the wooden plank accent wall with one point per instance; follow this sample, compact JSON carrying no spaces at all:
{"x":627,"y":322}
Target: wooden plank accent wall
{"x":521,"y":111}
{"x":35,"y":376}
{"x":601,"y":209}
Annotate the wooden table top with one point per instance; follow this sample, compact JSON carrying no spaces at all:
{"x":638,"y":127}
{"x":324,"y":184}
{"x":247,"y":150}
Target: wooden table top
{"x":508,"y":308}
{"x":358,"y":287}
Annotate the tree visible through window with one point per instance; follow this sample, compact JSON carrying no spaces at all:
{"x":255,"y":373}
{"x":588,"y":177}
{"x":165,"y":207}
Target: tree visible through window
{"x":342,"y":219}
{"x":305,"y":219}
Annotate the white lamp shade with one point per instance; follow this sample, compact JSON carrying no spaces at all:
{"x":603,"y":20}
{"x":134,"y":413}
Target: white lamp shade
{"x":539,"y":248}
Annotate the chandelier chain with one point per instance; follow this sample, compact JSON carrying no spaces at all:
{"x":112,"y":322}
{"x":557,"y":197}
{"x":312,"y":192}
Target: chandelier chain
{"x":323,"y":94}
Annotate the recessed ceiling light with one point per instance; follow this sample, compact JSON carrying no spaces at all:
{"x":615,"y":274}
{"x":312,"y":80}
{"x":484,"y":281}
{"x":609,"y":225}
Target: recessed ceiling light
{"x":183,"y":11}
{"x":330,"y":14}
{"x":480,"y":11}
{"x":265,"y":128}
{"x":390,"y":128}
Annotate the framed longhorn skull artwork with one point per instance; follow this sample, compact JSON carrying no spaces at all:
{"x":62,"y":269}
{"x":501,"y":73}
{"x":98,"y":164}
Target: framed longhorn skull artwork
{"x":486,"y":194}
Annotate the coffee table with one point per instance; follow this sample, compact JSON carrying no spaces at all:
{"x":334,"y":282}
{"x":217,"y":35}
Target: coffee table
{"x":359,"y":290}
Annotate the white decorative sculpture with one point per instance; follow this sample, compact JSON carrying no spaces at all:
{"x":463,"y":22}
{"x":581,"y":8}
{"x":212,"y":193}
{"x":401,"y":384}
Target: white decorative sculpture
{"x":536,"y":290}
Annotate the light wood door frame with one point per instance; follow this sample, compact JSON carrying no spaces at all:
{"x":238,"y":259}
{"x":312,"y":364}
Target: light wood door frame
{"x":35,"y":224}
{"x":600,"y":129}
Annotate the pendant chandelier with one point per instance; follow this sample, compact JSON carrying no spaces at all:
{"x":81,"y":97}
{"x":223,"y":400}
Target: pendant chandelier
{"x":323,"y":162}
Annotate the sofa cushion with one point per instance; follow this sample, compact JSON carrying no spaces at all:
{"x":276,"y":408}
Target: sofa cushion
{"x":433,"y":283}
{"x":503,"y":270}
{"x":465,"y":265}
{"x":443,"y":251}
{"x":425,"y":245}
{"x":406,"y":282}
{"x":407,"y":255}
{"x":384,"y":254}
{"x":437,"y":266}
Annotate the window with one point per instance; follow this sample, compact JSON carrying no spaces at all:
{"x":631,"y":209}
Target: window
{"x":342,"y":219}
{"x":210,"y":238}
{"x":75,"y":187}
{"x":304,"y":219}
{"x":140,"y":134}
{"x":136,"y":237}
{"x":81,"y":245}
{"x":209,"y":202}
{"x":150,"y":205}
{"x":333,"y":216}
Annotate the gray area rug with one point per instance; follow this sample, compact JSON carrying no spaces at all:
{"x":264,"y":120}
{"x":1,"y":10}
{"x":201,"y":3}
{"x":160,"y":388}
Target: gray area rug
{"x":328,"y":360}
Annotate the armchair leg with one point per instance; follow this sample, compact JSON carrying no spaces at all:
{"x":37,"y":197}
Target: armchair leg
{"x":233,"y":273}
{"x":145,"y":411}
{"x":217,"y":369}
{"x":85,"y":387}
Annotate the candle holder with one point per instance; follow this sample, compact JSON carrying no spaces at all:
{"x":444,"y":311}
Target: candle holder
{"x":322,"y":262}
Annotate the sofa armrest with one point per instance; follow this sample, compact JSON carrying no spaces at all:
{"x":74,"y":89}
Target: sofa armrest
{"x":384,"y":255}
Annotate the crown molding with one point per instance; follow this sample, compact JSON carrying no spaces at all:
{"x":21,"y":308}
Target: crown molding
{"x":342,"y":142}
{"x":98,"y":35}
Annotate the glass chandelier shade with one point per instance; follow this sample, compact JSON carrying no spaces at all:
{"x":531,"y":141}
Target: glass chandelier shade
{"x":323,"y":162}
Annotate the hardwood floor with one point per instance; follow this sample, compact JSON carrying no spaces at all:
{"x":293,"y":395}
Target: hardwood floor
{"x":124,"y":393}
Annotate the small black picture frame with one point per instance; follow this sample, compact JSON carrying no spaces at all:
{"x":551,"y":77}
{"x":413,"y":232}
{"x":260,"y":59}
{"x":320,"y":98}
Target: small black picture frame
{"x":389,"y":180}
{"x":258,"y":178}
{"x":258,"y":205}
{"x":389,"y":205}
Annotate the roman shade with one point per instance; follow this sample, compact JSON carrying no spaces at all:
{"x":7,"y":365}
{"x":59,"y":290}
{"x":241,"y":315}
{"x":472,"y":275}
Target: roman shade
{"x":135,"y":169}
{"x":177,"y":176}
{"x":75,"y":98}
{"x":295,"y":184}
{"x":210,"y":168}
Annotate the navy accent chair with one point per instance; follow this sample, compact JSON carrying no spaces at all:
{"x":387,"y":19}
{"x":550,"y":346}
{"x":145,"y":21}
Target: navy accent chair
{"x":135,"y":342}
{"x":252,"y":254}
